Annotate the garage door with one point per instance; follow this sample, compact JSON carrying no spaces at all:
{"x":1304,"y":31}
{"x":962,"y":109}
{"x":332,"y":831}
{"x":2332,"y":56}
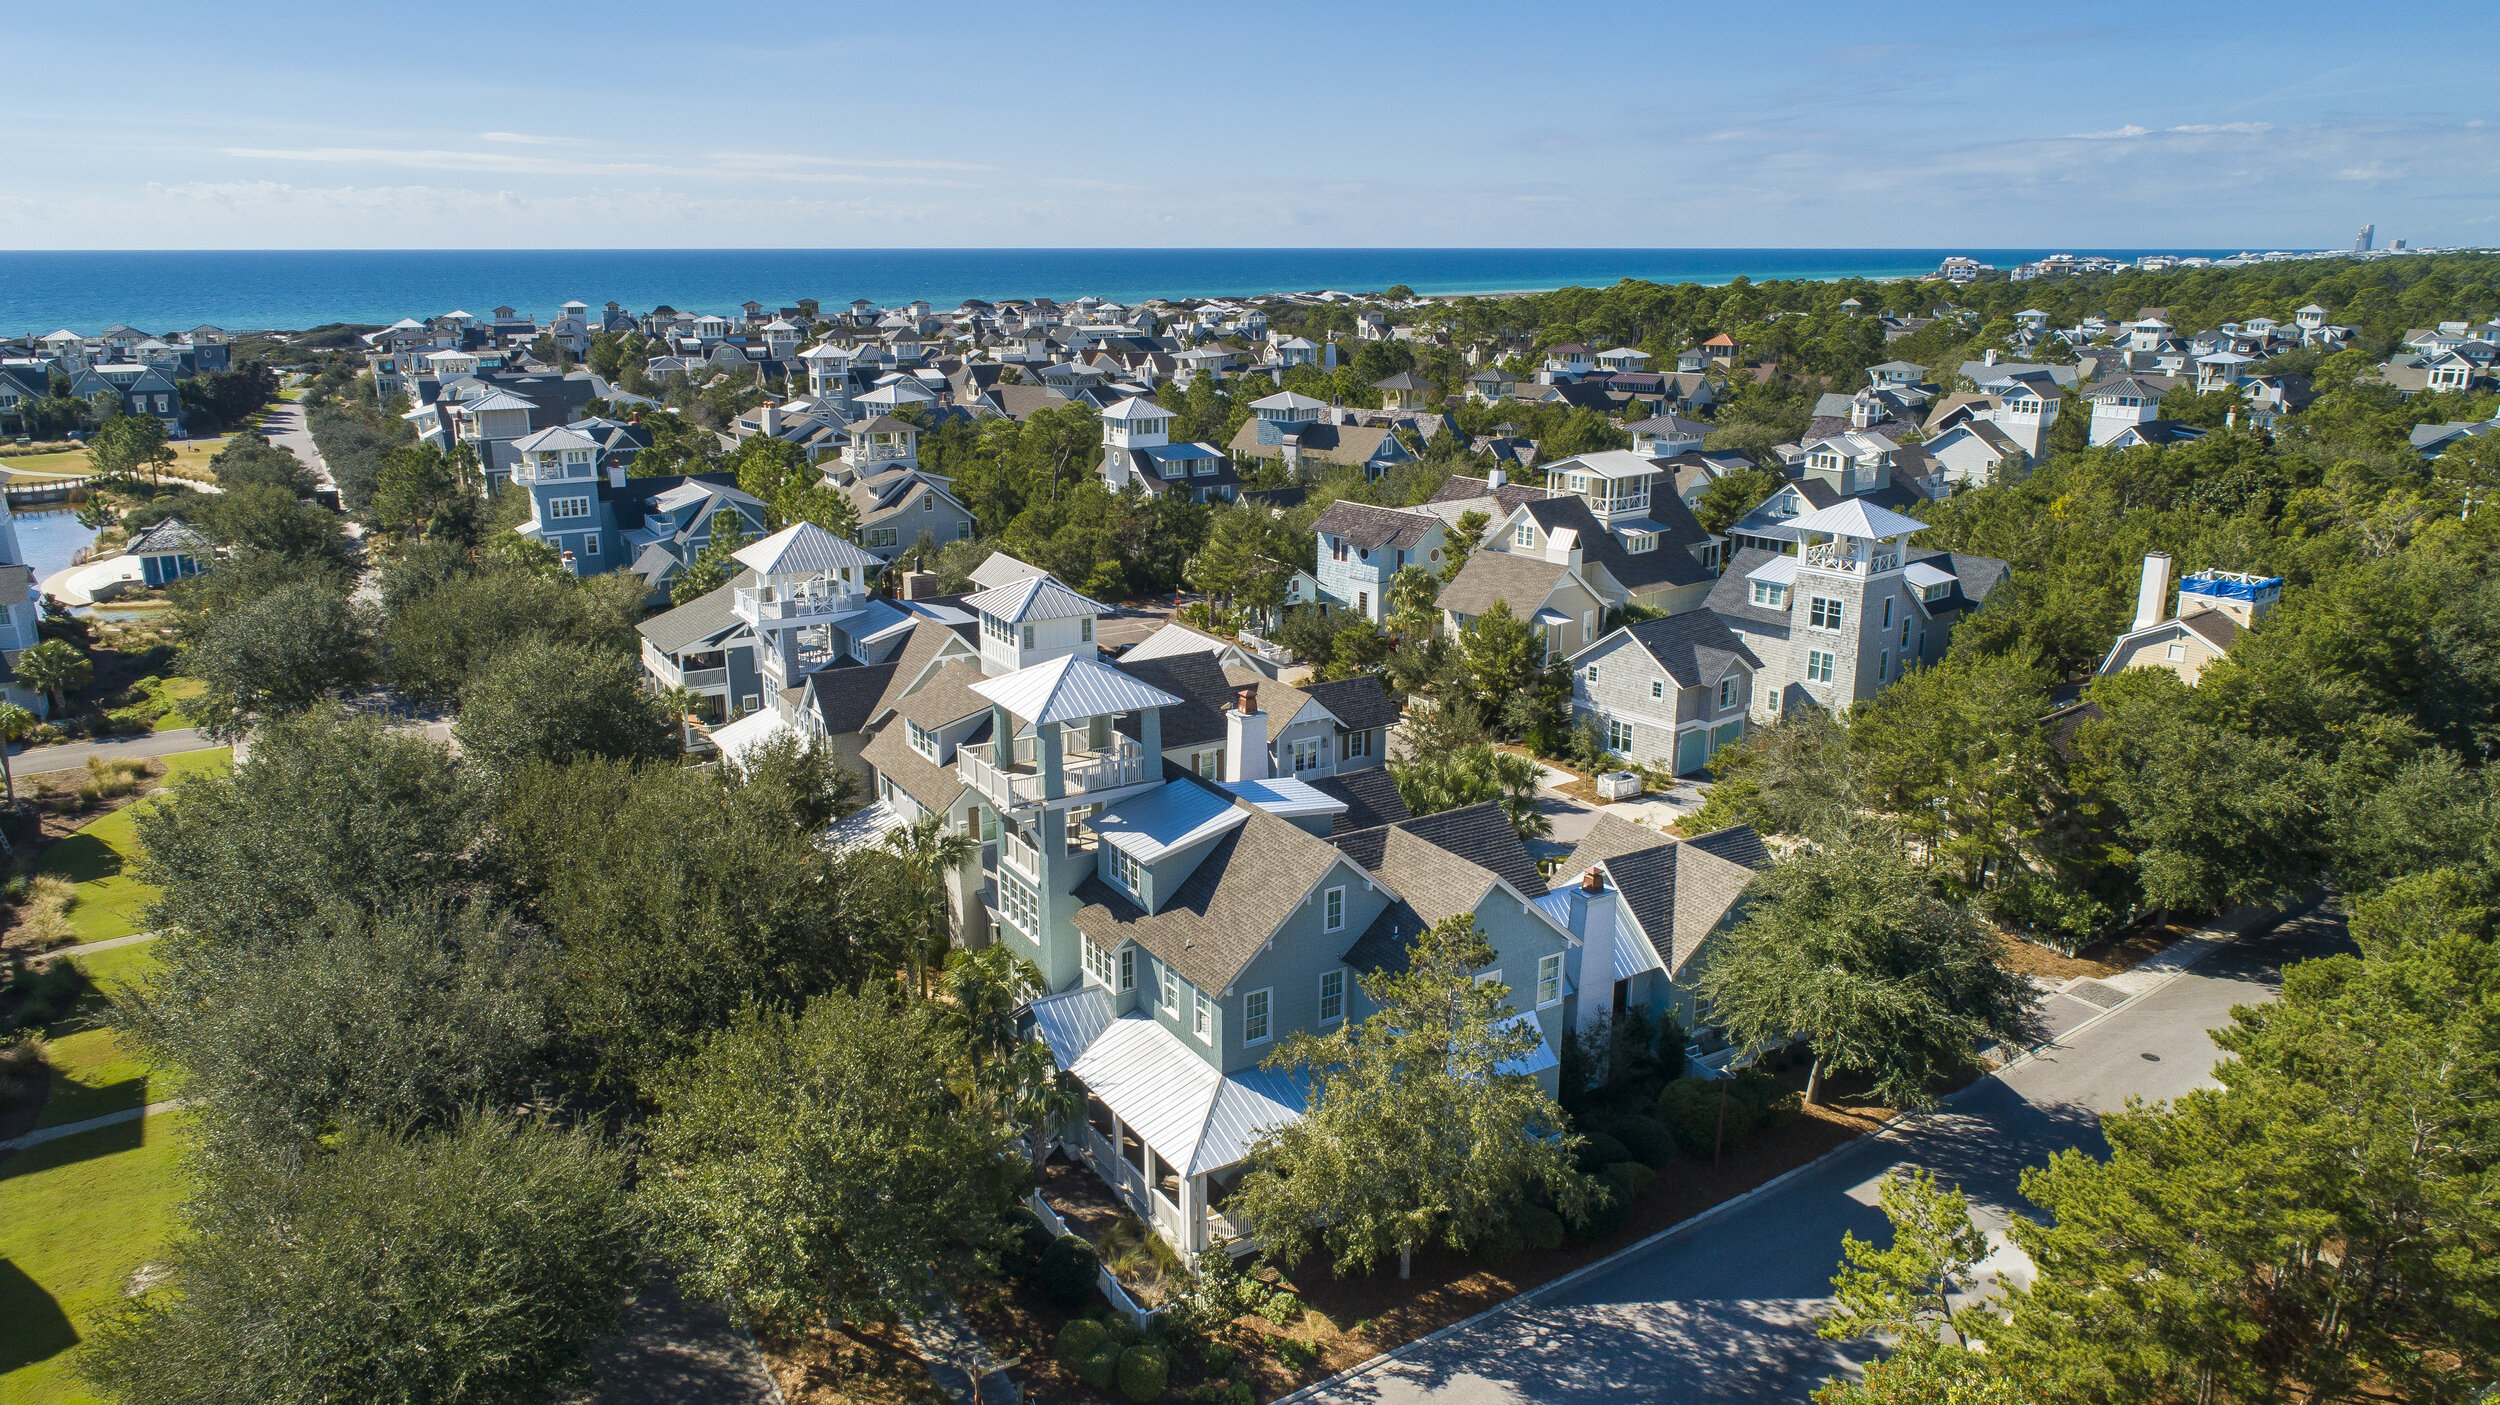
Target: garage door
{"x":1692,"y":751}
{"x":1727,"y":732}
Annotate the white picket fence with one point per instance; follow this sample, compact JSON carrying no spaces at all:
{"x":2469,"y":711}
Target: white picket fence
{"x":1103,"y":1278}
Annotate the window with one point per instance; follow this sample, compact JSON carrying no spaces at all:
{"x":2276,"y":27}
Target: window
{"x":1883,"y":665}
{"x":1170,"y":985}
{"x":1824,"y":613}
{"x":1769,"y":596}
{"x":1727,"y":692}
{"x":1818,"y":666}
{"x":1097,"y":963}
{"x":1307,"y":755}
{"x":1333,"y":905}
{"x":1020,"y":904}
{"x":1028,"y":636}
{"x":1362,"y":602}
{"x":750,"y":702}
{"x":1657,"y":687}
{"x":562,"y":509}
{"x":963,"y":531}
{"x":1592,"y":673}
{"x":1128,"y":873}
{"x":922,"y":739}
{"x":927,"y":503}
{"x":1548,"y":980}
{"x":1639,"y":542}
{"x":1128,"y":968}
{"x":1887,"y":612}
{"x":1254,"y":1022}
{"x":590,"y":545}
{"x":881,"y":536}
{"x":1206,"y":763}
{"x":1331,"y":996}
{"x":1526,"y":535}
{"x":1618,"y":734}
{"x":1905,"y":635}
{"x":1588,"y":625}
{"x":2178,"y":650}
{"x":1201,"y":1014}
{"x":1493,"y":977}
{"x":1357,"y":744}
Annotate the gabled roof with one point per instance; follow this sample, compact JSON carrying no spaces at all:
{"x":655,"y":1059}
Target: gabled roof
{"x":170,"y":537}
{"x":1370,"y":528}
{"x":1677,"y":892}
{"x":1068,"y":689}
{"x":1370,"y":796}
{"x":1001,"y":569}
{"x":1039,"y":597}
{"x":1209,"y":928}
{"x":1359,"y":704}
{"x":699,"y":619}
{"x":1695,"y":648}
{"x":801,"y":549}
{"x":1488,"y":576}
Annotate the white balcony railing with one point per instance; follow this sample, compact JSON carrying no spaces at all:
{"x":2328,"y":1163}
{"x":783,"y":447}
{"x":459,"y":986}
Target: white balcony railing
{"x":1021,"y":784}
{"x":1020,"y":854}
{"x":767,"y":605}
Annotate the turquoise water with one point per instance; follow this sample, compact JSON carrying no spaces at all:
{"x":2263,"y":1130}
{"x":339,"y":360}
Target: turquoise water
{"x":292,"y":289}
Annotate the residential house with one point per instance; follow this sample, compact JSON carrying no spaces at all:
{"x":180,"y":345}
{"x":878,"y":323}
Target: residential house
{"x":167,"y":552}
{"x":2214,"y":607}
{"x":1361,"y":547}
{"x":1855,"y":606}
{"x":1297,"y":429}
{"x":1137,"y":449}
{"x":1674,"y":900}
{"x":899,"y":507}
{"x":1666,"y":692}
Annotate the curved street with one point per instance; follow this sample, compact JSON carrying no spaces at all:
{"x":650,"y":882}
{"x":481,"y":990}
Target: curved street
{"x":1725,"y":1310}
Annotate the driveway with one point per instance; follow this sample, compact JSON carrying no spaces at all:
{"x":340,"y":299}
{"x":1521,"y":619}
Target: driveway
{"x":1725,"y":1311}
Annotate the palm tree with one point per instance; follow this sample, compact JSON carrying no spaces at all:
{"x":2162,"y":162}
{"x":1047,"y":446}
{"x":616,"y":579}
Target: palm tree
{"x":930,"y":852}
{"x":15,"y":723}
{"x":987,"y":988}
{"x":54,"y":667}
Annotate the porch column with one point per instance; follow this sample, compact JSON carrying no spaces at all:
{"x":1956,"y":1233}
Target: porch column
{"x":1150,"y":739}
{"x":1193,"y":1213}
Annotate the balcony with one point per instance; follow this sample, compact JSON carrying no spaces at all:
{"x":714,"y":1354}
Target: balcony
{"x":698,"y":679}
{"x":765,"y":605}
{"x":1019,"y":784}
{"x":536,"y":470}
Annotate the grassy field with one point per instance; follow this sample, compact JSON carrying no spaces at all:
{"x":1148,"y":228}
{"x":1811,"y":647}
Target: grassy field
{"x":97,"y":1069}
{"x":77,"y":1218}
{"x":111,"y":903}
{"x":193,"y":452}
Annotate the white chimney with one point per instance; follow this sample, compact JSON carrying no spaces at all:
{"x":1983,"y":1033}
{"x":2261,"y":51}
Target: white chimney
{"x":1245,"y":737}
{"x":772,"y":418}
{"x":1594,"y":905}
{"x":616,"y":477}
{"x":2152,"y":594}
{"x":1496,"y":478}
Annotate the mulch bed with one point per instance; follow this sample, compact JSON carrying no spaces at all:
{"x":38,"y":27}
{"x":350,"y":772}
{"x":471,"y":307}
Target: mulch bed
{"x":852,"y":1365}
{"x":2122,"y":952}
{"x":59,"y":817}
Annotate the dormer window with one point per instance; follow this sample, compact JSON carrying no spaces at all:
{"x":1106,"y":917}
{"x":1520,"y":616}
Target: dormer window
{"x":922,"y":739}
{"x":1525,"y":535}
{"x":1641,"y":541}
{"x":1769,"y":596}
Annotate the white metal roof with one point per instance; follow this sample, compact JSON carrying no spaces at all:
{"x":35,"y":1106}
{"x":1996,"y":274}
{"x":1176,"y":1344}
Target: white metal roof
{"x":1195,"y":1118}
{"x":558,"y":437}
{"x":1856,"y":517}
{"x":1607,"y":463}
{"x":1779,"y":570}
{"x":497,"y":400}
{"x":1288,"y":400}
{"x":1173,"y":640}
{"x":1286,"y":798}
{"x":1923,"y":574}
{"x":863,"y":829}
{"x":740,"y":738}
{"x":1039,"y":597}
{"x":1070,"y":689}
{"x":1136,"y":407}
{"x":803,"y":549}
{"x":1160,"y":822}
{"x":1002,"y":569}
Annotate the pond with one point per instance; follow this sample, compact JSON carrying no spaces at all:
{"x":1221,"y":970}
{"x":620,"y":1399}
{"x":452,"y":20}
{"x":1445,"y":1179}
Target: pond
{"x":48,"y":541}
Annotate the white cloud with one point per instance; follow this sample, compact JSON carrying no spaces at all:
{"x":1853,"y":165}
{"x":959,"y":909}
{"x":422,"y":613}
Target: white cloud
{"x":523,"y":139}
{"x":729,"y":166}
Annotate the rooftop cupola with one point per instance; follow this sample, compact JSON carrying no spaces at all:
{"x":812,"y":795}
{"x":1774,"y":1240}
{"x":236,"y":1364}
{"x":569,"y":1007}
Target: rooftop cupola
{"x":1852,"y":537}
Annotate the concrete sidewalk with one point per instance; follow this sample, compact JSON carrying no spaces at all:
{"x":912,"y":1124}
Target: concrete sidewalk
{"x":69,"y":756}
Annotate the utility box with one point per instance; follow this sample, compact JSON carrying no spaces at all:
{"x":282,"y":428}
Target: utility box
{"x":1618,"y":785}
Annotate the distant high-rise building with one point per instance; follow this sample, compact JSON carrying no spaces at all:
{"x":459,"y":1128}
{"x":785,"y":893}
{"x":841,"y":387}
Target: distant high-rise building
{"x":2361,"y":241}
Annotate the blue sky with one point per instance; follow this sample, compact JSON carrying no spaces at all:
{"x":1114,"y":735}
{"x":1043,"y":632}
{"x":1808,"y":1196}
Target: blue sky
{"x":452,"y":125}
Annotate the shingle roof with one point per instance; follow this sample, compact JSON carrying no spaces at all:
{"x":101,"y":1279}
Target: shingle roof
{"x":2214,"y":627}
{"x":1198,"y":681}
{"x":671,"y":631}
{"x":1479,"y":834}
{"x":1670,"y":562}
{"x":846,"y":698}
{"x":1695,"y":648}
{"x":1370,"y":528}
{"x":171,"y":536}
{"x":1488,"y":576}
{"x":1208,"y":929}
{"x":935,"y":787}
{"x":1676,"y":891}
{"x":1359,"y":704}
{"x":927,"y":640}
{"x":1370,"y":795}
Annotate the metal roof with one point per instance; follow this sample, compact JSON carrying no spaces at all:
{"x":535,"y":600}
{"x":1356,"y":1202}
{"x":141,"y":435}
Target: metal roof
{"x":1069,"y":689}
{"x":1159,"y":822}
{"x":1287,"y":798}
{"x":1039,"y":597}
{"x":803,"y":549}
{"x":1195,"y":1118}
{"x":1920,"y":574}
{"x":1856,"y":517}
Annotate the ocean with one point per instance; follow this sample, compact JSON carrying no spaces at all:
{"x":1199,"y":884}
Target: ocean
{"x":174,"y":290}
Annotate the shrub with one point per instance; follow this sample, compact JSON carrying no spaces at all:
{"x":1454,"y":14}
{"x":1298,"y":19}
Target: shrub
{"x":1284,"y":1309}
{"x":1296,"y":1353}
{"x":1630,"y":1177}
{"x":1079,"y":1340}
{"x":1143,"y":1372}
{"x":1690,"y":1108}
{"x":1598,"y":1151}
{"x":1645,"y":1137}
{"x":49,"y":993}
{"x":1066,"y":1275}
{"x":21,"y":1060}
{"x":1103,"y":1367}
{"x":44,"y":928}
{"x":1217,"y":1357}
{"x":1607,"y":1213}
{"x":1537,"y":1227}
{"x":1769,"y":1102}
{"x":1021,"y":1256}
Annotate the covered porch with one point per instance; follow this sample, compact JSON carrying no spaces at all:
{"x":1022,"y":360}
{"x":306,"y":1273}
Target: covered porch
{"x":1164,"y":1130}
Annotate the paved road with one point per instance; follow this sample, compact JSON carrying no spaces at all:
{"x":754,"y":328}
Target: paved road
{"x":283,"y":424}
{"x":69,"y":756}
{"x":1725,"y":1311}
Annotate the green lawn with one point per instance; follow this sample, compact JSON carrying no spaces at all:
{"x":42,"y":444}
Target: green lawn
{"x":111,"y":970}
{"x":110,"y":902}
{"x":97,"y":1069}
{"x":77,"y":1217}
